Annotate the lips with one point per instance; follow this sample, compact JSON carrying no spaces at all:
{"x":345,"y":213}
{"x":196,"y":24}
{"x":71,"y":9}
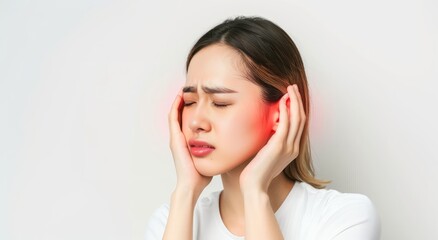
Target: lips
{"x":200,"y":148}
{"x":199,"y":144}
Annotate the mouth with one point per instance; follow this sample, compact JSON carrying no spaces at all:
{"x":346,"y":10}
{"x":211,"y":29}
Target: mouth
{"x":201,"y":151}
{"x":200,"y":148}
{"x":193,"y":143}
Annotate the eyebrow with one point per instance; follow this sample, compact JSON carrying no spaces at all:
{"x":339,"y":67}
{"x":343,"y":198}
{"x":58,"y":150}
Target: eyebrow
{"x":208,"y":90}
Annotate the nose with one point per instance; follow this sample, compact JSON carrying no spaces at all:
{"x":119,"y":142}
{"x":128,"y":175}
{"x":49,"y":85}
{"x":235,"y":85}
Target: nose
{"x":199,"y":119}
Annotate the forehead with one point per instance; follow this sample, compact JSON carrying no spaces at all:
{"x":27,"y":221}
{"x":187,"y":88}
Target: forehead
{"x":217,"y":66}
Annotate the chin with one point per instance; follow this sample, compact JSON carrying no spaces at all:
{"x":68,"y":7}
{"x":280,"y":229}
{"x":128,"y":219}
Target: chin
{"x":209,"y":168}
{"x":205,"y":168}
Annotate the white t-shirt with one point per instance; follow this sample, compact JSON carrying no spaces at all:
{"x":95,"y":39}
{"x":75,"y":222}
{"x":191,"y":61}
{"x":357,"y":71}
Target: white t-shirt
{"x":307,"y":213}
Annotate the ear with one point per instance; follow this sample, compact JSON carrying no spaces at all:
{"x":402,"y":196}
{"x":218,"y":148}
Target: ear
{"x":275,"y":116}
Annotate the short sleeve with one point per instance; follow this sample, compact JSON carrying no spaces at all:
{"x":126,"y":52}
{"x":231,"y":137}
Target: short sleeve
{"x":355,"y":217}
{"x":157,"y":223}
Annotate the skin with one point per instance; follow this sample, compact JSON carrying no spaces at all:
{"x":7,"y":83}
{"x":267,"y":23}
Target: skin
{"x":253,"y":141}
{"x":218,"y":65}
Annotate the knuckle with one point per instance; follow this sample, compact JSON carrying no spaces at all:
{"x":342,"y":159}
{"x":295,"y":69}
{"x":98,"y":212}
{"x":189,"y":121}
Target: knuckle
{"x":288,"y":149}
{"x":279,"y":148}
{"x":294,"y":150}
{"x":294,"y":154}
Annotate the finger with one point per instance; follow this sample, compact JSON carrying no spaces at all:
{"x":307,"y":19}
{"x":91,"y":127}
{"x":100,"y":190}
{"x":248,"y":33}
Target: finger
{"x":174,"y":114}
{"x":283,"y":125}
{"x":295,"y":116}
{"x":302,"y":116}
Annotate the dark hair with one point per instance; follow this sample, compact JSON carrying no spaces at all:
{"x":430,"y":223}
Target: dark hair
{"x":272,"y":62}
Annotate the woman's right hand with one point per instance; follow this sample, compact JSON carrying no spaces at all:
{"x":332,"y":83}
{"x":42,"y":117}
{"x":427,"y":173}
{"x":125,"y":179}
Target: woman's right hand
{"x":188,"y":178}
{"x":189,"y":184}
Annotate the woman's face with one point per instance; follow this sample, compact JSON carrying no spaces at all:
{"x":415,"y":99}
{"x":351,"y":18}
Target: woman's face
{"x":237,"y":131}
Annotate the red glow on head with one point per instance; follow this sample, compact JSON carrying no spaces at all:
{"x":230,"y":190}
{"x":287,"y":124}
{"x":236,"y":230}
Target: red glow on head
{"x":317,"y":119}
{"x":165,"y":103}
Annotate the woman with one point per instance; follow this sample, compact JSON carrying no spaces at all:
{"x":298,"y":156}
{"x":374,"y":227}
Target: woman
{"x":243,"y":113}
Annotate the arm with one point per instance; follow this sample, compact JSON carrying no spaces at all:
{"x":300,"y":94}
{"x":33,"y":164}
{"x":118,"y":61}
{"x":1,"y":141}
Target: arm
{"x":255,"y":179}
{"x":260,"y":221}
{"x":189,"y":182}
{"x":180,"y":221}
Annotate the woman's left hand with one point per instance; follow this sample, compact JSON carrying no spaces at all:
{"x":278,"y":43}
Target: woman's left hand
{"x":281,"y":149}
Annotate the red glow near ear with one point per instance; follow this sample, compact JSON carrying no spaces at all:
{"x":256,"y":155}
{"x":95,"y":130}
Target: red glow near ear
{"x":317,"y":118}
{"x":162,"y":110}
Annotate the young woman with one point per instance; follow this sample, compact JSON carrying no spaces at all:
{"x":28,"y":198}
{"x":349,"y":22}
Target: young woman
{"x":243,"y":113}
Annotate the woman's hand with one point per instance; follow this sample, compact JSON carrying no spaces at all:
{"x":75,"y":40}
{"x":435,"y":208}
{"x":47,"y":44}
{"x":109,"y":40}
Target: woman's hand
{"x":281,"y":149}
{"x":189,"y":182}
{"x":188,"y":177}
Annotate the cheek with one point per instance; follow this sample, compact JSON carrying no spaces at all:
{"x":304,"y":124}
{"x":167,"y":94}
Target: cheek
{"x":186,"y":117}
{"x":245,"y":134}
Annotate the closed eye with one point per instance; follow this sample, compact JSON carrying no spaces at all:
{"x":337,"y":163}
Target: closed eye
{"x":215,"y":104}
{"x":220,"y":105}
{"x":187,"y":104}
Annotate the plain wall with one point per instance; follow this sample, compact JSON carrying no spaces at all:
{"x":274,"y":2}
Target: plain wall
{"x":86,"y":86}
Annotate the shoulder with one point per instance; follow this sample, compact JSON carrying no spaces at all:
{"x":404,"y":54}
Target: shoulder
{"x":157,"y":223}
{"x":343,"y":215}
{"x":334,"y":201}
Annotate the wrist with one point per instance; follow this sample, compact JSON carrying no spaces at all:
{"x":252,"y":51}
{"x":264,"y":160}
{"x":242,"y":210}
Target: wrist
{"x":182,"y":190}
{"x":253,"y":187}
{"x":251,"y":192}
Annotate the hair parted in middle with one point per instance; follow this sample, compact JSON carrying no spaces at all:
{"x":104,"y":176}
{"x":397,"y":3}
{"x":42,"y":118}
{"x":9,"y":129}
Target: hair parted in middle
{"x":272,"y":61}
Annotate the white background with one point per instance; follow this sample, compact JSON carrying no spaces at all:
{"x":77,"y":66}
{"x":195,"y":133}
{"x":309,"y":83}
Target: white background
{"x":85,"y":88}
